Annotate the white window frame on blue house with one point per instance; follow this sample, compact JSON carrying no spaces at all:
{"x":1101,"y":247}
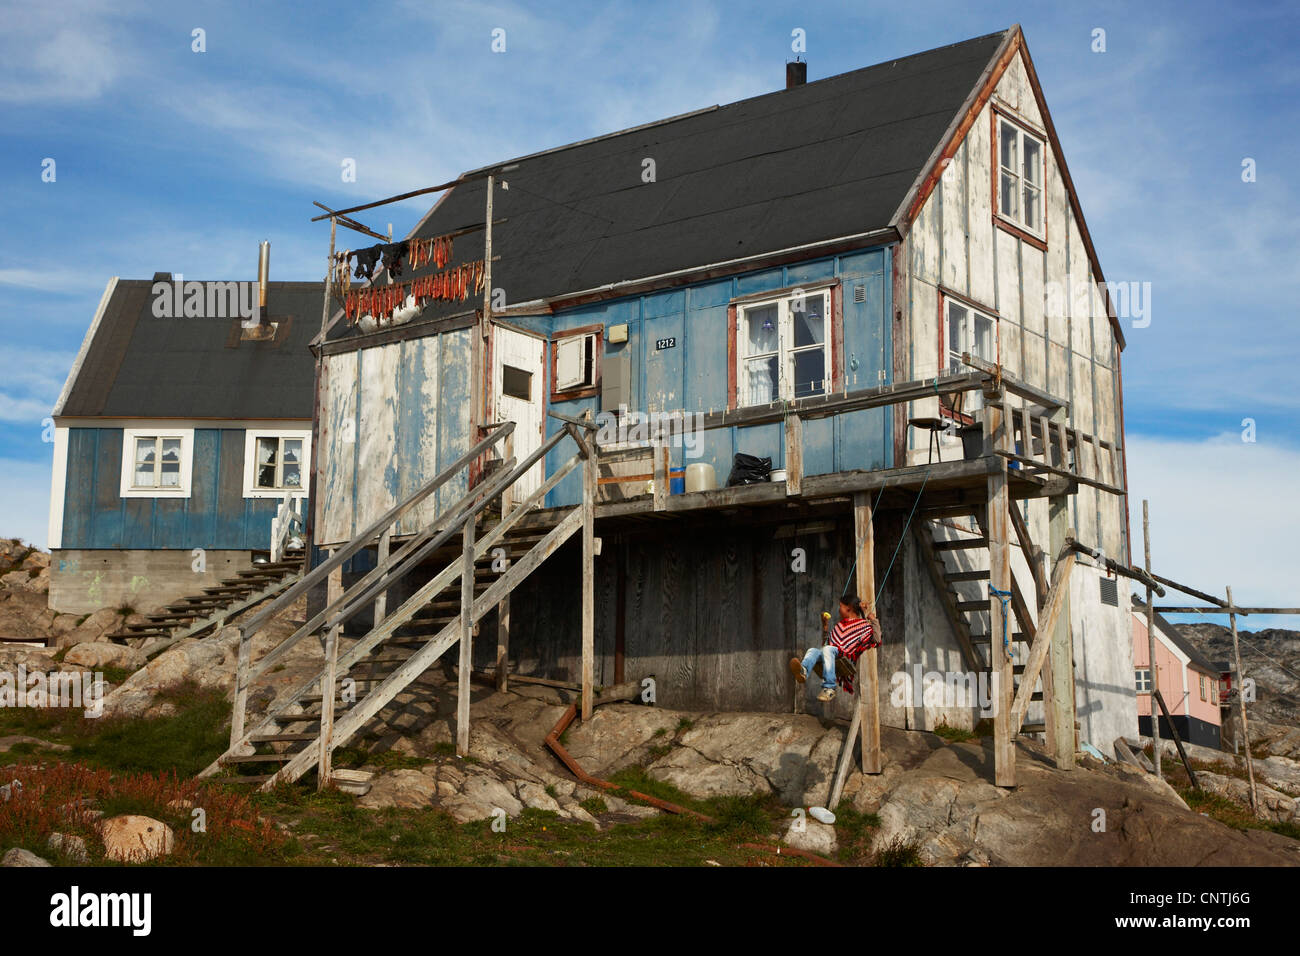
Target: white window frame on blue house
{"x":159,"y":433}
{"x":784,"y":348}
{"x":251,"y":487}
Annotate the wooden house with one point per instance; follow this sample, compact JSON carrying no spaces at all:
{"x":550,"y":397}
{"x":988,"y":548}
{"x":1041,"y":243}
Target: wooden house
{"x":183,"y":428}
{"x":882,"y":281}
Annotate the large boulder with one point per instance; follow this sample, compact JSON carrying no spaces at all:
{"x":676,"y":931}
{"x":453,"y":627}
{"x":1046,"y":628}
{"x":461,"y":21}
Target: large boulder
{"x":99,"y":654}
{"x":20,"y":857}
{"x":95,"y":626}
{"x":133,"y":838}
{"x":208,"y":663}
{"x":407,"y":789}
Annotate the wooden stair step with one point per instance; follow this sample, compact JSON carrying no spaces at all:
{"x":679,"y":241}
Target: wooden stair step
{"x":972,"y":605}
{"x":961,"y":544}
{"x":1039,"y":728}
{"x":967,"y":576}
{"x":277,"y":738}
{"x":260,"y":778}
{"x":295,"y":718}
{"x":258,"y":758}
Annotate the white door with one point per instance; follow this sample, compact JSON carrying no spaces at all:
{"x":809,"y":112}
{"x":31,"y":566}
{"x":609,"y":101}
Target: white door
{"x":517,"y":383}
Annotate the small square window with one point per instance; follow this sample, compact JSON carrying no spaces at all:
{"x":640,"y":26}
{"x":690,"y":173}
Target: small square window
{"x":516,"y":382}
{"x":279,"y":463}
{"x":575,"y":364}
{"x":1142,"y":676}
{"x":156,"y":463}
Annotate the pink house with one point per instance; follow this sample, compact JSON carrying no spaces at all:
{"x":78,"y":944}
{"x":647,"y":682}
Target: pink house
{"x":1188,"y":682}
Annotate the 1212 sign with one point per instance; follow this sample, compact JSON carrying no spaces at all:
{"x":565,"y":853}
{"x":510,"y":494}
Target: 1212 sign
{"x":669,"y":343}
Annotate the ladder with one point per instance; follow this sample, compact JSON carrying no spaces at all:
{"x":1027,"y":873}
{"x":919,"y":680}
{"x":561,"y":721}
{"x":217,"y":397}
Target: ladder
{"x":303,"y":728}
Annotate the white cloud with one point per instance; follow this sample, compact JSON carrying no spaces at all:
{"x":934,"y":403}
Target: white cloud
{"x":25,"y":500}
{"x":1223,"y":512}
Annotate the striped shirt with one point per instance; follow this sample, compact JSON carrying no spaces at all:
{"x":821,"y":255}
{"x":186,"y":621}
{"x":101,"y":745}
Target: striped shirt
{"x":852,"y":636}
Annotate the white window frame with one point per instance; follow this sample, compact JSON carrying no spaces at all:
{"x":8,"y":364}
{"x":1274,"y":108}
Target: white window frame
{"x":786,"y":349}
{"x":1142,"y":679}
{"x":1017,"y":174}
{"x":128,"y":487}
{"x":251,"y":435}
{"x":952,"y":351}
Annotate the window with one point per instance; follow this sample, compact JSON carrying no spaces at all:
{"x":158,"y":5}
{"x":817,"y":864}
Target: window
{"x":277,"y":462}
{"x":1204,"y":693}
{"x":969,"y":330}
{"x":1143,"y":675}
{"x":1214,"y":692}
{"x":782,"y":348}
{"x":156,"y":462}
{"x":1020,"y":176}
{"x":516,"y":382}
{"x":575,"y":363}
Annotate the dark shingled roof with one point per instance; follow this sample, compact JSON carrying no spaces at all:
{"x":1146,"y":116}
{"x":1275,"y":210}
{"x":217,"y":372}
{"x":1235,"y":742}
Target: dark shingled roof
{"x":141,"y":366}
{"x":832,"y":158}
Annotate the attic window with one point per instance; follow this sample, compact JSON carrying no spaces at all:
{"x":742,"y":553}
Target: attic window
{"x":575,"y":363}
{"x":1020,"y":177}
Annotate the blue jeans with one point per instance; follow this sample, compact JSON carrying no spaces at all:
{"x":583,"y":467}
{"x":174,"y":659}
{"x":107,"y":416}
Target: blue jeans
{"x":827,"y":653}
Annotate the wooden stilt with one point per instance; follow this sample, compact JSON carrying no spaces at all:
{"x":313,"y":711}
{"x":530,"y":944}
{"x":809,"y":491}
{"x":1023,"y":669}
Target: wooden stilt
{"x":1061,"y":650}
{"x":868,"y":684}
{"x":589,"y":577}
{"x":466,"y":639}
{"x":242,"y":678}
{"x":1151,"y":642}
{"x":328,"y":691}
{"x":794,"y":456}
{"x":1241,"y":700}
{"x":997,"y":521}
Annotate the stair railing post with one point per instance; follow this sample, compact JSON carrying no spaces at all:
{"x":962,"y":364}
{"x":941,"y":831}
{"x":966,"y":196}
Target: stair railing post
{"x":327,"y":685}
{"x":466,"y":638}
{"x":503,"y":609}
{"x":240,"y":708}
{"x":589,"y":570}
{"x":381,"y":599}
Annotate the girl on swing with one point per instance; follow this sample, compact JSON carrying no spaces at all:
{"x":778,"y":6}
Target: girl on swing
{"x":853,"y":633}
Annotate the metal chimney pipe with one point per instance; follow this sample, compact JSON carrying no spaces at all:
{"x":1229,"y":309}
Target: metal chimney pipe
{"x":263,"y":274}
{"x":796,"y":74}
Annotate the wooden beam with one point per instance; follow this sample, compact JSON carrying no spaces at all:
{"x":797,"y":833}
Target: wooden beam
{"x":325,"y":750}
{"x":1033,"y":557}
{"x":1178,"y":740}
{"x":1061,"y":652}
{"x":868,"y":685}
{"x":463,"y":690}
{"x":588,"y":507}
{"x":1241,"y":700}
{"x":1004,"y":754}
{"x":661,"y":453}
{"x":1038,"y":651}
{"x":1166,"y":609}
{"x":846,"y":760}
{"x":793,"y":456}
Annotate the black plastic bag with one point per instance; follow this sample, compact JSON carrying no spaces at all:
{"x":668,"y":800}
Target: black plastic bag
{"x":748,"y":470}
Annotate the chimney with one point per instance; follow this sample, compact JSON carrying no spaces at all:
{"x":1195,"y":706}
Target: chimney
{"x":263,"y":273}
{"x":796,"y":73}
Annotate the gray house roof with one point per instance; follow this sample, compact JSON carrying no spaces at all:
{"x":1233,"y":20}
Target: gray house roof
{"x":134,"y":364}
{"x":832,"y":158}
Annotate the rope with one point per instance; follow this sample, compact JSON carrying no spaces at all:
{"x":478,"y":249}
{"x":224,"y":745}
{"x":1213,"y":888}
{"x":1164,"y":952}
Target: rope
{"x":881,"y":586}
{"x":1004,"y":597}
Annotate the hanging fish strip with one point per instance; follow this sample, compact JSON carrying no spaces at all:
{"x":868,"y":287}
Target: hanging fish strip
{"x":449,"y":285}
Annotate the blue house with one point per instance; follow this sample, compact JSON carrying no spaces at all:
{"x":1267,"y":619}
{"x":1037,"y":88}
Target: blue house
{"x":184,"y":426}
{"x":878,"y":288}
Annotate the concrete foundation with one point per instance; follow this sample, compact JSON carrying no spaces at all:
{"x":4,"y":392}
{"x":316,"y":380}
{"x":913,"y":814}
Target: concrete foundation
{"x":84,"y":581}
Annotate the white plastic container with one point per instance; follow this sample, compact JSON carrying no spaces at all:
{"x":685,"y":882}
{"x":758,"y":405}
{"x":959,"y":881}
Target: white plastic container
{"x":700,"y":477}
{"x":778,"y":474}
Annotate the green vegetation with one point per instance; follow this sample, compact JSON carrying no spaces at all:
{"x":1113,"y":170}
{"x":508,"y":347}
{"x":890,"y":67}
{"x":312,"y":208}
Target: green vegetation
{"x":953,"y":734}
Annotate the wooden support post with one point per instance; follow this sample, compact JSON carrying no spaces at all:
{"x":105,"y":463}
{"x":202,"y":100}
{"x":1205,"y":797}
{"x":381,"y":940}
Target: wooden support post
{"x":324,"y":770}
{"x":661,"y":452}
{"x":381,"y":600}
{"x":1151,"y":642}
{"x":868,"y":683}
{"x":503,"y":609}
{"x":589,"y":580}
{"x":995,"y":439}
{"x":241,"y":689}
{"x":1178,"y":741}
{"x":1241,"y":700}
{"x":793,"y":455}
{"x":1061,"y":652}
{"x":466,"y":638}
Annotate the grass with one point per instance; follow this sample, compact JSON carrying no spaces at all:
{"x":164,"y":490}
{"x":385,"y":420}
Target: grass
{"x":353,"y":757}
{"x":953,"y":734}
{"x":899,"y":852}
{"x":1231,"y":813}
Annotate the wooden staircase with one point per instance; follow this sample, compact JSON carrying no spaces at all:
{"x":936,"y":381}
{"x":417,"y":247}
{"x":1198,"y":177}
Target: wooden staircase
{"x":303,"y":727}
{"x":214,"y":606}
{"x":958,"y":564}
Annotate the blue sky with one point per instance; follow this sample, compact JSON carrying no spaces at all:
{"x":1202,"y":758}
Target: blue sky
{"x":173,"y":160}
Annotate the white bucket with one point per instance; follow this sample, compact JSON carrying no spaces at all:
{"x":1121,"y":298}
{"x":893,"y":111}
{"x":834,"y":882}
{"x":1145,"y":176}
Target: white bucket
{"x":700,"y":477}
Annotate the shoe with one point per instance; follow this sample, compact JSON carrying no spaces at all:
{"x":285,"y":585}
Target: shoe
{"x":827,"y":694}
{"x":796,"y":668}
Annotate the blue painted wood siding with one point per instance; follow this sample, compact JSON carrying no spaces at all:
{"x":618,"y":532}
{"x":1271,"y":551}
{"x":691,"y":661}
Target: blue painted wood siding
{"x":215,"y":516}
{"x":692,"y":377}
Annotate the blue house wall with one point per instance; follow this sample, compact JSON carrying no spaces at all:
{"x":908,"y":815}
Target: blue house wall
{"x":216,"y":515}
{"x":692,"y":377}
